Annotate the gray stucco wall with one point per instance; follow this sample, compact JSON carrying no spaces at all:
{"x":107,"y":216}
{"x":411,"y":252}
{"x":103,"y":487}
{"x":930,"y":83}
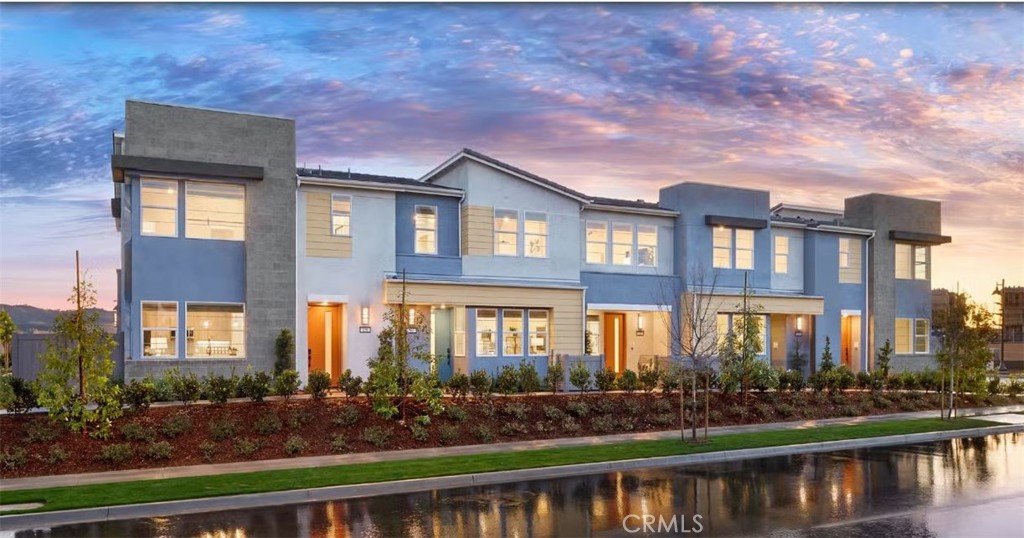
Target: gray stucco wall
{"x":208,"y":136}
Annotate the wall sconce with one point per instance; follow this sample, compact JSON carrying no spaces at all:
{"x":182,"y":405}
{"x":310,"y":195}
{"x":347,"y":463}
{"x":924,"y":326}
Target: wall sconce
{"x":412,"y":316}
{"x":639,"y":324}
{"x":364,"y":315}
{"x":800,"y":323}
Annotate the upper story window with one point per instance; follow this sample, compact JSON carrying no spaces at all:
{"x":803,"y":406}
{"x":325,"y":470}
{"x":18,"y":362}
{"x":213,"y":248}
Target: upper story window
{"x":159,"y":207}
{"x":845,"y":247}
{"x":341,"y":214}
{"x":646,"y":245}
{"x":159,"y":329}
{"x":535,"y":235}
{"x":911,"y":261}
{"x":912,"y":335}
{"x":781,"y":254}
{"x":214,"y":211}
{"x":426,"y":229}
{"x":733,"y":248}
{"x":506,"y":232}
{"x":486,"y":328}
{"x":622,"y":243}
{"x":597,"y":242}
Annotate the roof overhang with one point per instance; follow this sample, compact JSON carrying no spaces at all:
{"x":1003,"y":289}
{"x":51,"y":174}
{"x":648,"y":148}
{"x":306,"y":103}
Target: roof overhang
{"x":735,"y":222}
{"x":919,"y":238}
{"x":121,"y":163}
{"x":377,"y":186}
{"x":634,"y":210}
{"x":806,"y":305}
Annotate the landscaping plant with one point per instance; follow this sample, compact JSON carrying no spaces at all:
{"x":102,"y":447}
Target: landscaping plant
{"x":318,"y":384}
{"x":219,"y":388}
{"x":649,"y":378}
{"x":480,"y":383}
{"x":529,"y":380}
{"x":284,"y":352}
{"x":605,"y":379}
{"x":555,"y":376}
{"x":458,"y":386}
{"x":507,"y":380}
{"x":579,"y":376}
{"x":286,"y":383}
{"x":138,"y":395}
{"x":628,"y":381}
{"x":256,"y":386}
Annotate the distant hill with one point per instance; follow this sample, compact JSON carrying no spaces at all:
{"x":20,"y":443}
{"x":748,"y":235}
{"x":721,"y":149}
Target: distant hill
{"x":30,"y":318}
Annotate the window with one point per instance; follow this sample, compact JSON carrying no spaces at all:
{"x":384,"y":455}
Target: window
{"x":734,"y":322}
{"x":214,"y":211}
{"x":486,"y":328}
{"x":622,"y":243}
{"x":512,"y":332}
{"x":911,"y":261}
{"x":781,"y":254}
{"x":721,"y":327}
{"x":159,"y":329}
{"x":538,"y":332}
{"x":159,"y":207}
{"x":646,"y":245}
{"x":903,"y":335}
{"x":341,"y":214}
{"x":597,"y":242}
{"x":593,"y":335}
{"x":460,"y":332}
{"x":215,"y":330}
{"x":921,"y":263}
{"x":921,"y":335}
{"x":744,"y":249}
{"x":733,"y":248}
{"x":722,"y":239}
{"x":506,"y":232}
{"x":426,"y":229}
{"x":535,"y":235}
{"x":845,"y":246}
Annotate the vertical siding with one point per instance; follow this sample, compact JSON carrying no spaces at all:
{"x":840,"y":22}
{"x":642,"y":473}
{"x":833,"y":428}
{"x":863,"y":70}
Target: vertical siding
{"x":477,"y":230}
{"x":319,"y":241}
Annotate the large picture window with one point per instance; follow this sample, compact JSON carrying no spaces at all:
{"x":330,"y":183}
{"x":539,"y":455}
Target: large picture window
{"x":426,"y":229}
{"x":512,"y":332}
{"x":622,"y":243}
{"x":535,"y":235}
{"x":486,"y":332}
{"x":538,"y":332}
{"x":646,"y":245}
{"x":597,"y":242}
{"x":341,"y":214}
{"x":506,"y":232}
{"x":159,"y":329}
{"x":159,"y":207}
{"x":214,"y":211}
{"x":215,"y":330}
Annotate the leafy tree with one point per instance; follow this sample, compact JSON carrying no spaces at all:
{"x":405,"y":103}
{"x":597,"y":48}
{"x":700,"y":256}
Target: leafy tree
{"x":7,"y":330}
{"x":284,"y":352}
{"x":74,"y":383}
{"x":745,"y":344}
{"x":966,"y":329}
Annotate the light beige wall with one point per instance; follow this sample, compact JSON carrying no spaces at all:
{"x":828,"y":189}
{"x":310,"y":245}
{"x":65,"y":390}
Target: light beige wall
{"x":566,"y":305}
{"x":477,"y":230}
{"x":724,"y":303}
{"x":319,"y":241}
{"x":852,"y":274}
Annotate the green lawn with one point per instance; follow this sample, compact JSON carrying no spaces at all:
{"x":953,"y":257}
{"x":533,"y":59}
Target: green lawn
{"x":257,"y":482}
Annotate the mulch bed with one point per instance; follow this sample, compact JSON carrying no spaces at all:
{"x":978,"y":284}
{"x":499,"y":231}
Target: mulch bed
{"x":503,"y":418}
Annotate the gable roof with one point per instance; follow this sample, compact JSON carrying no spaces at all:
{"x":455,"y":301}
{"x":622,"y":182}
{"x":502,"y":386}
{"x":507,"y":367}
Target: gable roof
{"x":469,"y":154}
{"x":339,"y":177}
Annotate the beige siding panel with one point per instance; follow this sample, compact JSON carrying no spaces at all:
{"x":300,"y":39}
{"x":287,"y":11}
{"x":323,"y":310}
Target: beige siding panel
{"x":477,"y":231}
{"x":852,"y":274}
{"x":724,"y":303}
{"x":566,"y":305}
{"x":319,"y":241}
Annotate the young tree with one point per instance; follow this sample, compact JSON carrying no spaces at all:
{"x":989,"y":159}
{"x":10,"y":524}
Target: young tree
{"x":747,"y":344}
{"x":74,"y":383}
{"x":7,"y":330}
{"x":966,"y":329}
{"x":698,"y":340}
{"x":284,"y":352}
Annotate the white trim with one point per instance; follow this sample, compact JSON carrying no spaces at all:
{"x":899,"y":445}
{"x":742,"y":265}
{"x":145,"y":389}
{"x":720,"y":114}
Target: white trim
{"x":518,"y":232}
{"x":177,"y":331}
{"x":630,"y":307}
{"x":849,"y":312}
{"x":596,"y":206}
{"x":376,"y":186}
{"x":326,"y":298}
{"x":794,"y":207}
{"x":429,"y":175}
{"x":330,"y":212}
{"x":416,"y":229}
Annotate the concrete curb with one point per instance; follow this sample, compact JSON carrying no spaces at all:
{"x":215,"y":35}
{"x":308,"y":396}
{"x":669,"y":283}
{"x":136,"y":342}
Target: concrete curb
{"x":256,"y":500}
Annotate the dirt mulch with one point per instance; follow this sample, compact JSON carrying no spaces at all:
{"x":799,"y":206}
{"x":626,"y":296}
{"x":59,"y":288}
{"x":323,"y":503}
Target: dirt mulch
{"x":497,"y":419}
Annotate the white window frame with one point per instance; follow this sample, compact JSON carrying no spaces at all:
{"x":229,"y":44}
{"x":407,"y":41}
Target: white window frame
{"x":142,"y":333}
{"x":920,"y":262}
{"x":494,"y":333}
{"x":604,"y":243}
{"x":505,"y":332}
{"x":245,"y":330}
{"x":845,"y":250}
{"x":718,"y":248}
{"x":781,"y":254}
{"x":632,"y":240}
{"x":925,"y":336}
{"x":537,"y":333}
{"x":651,"y":230}
{"x":334,"y":213}
{"x":189,"y":185}
{"x":737,"y":249}
{"x":143,"y":205}
{"x":535,"y":216}
{"x":499,"y":234}
{"x":417,"y":229}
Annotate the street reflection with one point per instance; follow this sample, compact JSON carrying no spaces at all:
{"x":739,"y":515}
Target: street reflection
{"x":753,"y":497}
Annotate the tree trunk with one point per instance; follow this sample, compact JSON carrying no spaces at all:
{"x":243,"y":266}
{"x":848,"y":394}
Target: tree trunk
{"x":682,"y":405}
{"x":693,"y":394}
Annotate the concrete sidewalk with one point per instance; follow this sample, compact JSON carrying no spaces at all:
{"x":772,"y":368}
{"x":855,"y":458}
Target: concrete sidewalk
{"x":372,"y":457}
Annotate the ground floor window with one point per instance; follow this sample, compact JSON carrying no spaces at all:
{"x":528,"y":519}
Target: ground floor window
{"x":593,"y":343}
{"x":912,"y":335}
{"x":726,"y":323}
{"x":486,"y":329}
{"x":159,"y":329}
{"x":512,"y":330}
{"x":215,"y":330}
{"x":538,"y":332}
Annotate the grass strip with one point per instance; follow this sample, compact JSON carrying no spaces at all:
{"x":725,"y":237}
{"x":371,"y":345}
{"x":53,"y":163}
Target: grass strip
{"x":171,"y":489}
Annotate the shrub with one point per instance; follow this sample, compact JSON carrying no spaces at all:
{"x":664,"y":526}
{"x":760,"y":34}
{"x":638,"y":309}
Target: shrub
{"x":877,"y":381}
{"x":929,"y":380}
{"x":163,"y":390}
{"x":670,"y":380}
{"x":796,"y":380}
{"x":339,"y":444}
{"x":604,"y":406}
{"x":209,"y":450}
{"x":662,"y":406}
{"x":863,"y":380}
{"x":483,"y":433}
{"x":176,"y":425}
{"x":138,"y":395}
{"x":419,"y":433}
{"x":605,"y":379}
{"x":456,"y":413}
{"x":908,"y":380}
{"x":56,"y":455}
{"x":286,"y":383}
{"x":511,"y":429}
{"x":569,"y":425}
{"x":715,"y":416}
{"x":186,"y":388}
{"x":317,"y":384}
{"x":137,"y":432}
{"x":507,"y":381}
{"x":763,"y":377}
{"x":256,"y":386}
{"x":994,"y":385}
{"x":529,"y":380}
{"x":295,"y":445}
{"x":578,"y":408}
{"x":222,"y":428}
{"x":555,"y":376}
{"x":553,"y":413}
{"x":13,"y":458}
{"x":842,"y":379}
{"x":159,"y":450}
{"x":347,"y":415}
{"x":349,"y":384}
{"x":284,"y":352}
{"x":603,"y":424}
{"x":880,"y":402}
{"x":41,"y":431}
{"x":298,"y":418}
{"x":764,"y":410}
{"x":219,"y":388}
{"x":448,"y":434}
{"x":268,"y":423}
{"x":247,"y":447}
{"x":663,"y":419}
{"x":516,"y":409}
{"x":377,"y":436}
{"x":488,"y":410}
{"x":894,"y":382}
{"x":632,"y":407}
{"x":24,"y":396}
{"x":629,"y":381}
{"x":579,"y":376}
{"x":819,"y":381}
{"x":649,"y":379}
{"x":785,"y":410}
{"x":116,"y":453}
{"x":480,"y":383}
{"x":627,"y":424}
{"x":458,"y":386}
{"x":1016,"y":386}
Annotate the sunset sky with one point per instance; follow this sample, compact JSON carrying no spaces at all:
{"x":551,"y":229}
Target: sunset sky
{"x":814,"y":103}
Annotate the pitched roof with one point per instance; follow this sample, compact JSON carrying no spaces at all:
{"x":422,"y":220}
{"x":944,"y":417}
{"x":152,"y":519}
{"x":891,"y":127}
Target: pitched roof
{"x":617,"y":202}
{"x":370,"y":178}
{"x":468,"y":153}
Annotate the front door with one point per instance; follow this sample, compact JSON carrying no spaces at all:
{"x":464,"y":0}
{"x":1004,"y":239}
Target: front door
{"x":441,"y":334}
{"x":324,"y":338}
{"x":851,"y":342}
{"x":615,"y":341}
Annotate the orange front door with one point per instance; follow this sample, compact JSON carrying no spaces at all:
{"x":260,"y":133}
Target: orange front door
{"x":324,"y":331}
{"x":615,"y":341}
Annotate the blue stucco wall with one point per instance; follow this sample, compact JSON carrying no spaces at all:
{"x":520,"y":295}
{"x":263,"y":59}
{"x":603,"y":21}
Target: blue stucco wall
{"x":630,"y":289}
{"x":913,"y":299}
{"x":447,"y":261}
{"x":821,"y":273}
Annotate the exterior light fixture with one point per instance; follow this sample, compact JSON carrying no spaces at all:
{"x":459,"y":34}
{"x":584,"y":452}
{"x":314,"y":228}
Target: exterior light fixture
{"x":639,"y":324}
{"x":412,"y":316}
{"x":364,"y":315}
{"x":799,"y":323}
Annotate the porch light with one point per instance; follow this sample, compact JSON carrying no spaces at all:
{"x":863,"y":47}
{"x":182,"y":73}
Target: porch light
{"x":799,"y":323}
{"x":640,"y":321}
{"x":364,"y":315}
{"x":412,"y":316}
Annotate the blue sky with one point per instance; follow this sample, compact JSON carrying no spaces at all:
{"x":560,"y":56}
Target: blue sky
{"x":814,"y":103}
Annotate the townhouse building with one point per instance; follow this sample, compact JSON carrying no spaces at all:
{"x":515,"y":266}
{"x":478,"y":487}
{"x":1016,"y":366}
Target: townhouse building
{"x":225,"y":242}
